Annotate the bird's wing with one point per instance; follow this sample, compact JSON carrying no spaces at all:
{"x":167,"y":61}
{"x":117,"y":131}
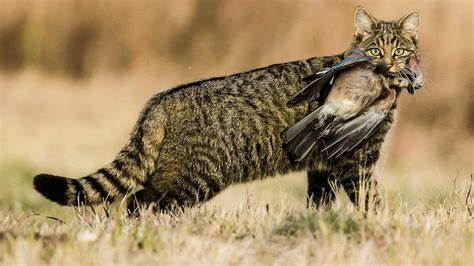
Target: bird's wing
{"x":351,"y":133}
{"x":290,"y":133}
{"x":299,"y":139}
{"x":303,"y":147}
{"x":323,"y":77}
{"x":346,"y":136}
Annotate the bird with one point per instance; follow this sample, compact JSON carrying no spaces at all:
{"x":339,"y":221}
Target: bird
{"x":355,"y":98}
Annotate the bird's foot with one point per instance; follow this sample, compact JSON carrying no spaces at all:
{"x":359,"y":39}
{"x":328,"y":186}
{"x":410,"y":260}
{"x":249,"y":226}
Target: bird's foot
{"x":399,"y":82}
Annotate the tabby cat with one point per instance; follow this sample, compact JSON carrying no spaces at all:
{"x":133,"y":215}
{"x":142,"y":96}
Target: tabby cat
{"x":194,"y":140}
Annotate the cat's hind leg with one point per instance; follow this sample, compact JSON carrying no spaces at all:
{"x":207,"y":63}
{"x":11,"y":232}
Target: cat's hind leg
{"x":169,"y":192}
{"x":143,"y":199}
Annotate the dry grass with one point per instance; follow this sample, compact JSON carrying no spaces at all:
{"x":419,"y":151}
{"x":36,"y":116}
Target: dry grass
{"x":249,"y":233}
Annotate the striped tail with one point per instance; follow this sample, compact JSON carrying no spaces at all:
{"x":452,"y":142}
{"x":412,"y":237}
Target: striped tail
{"x":132,"y":166}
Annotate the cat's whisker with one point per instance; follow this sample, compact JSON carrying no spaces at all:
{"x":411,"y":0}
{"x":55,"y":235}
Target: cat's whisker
{"x":425,"y":58}
{"x":406,"y":76}
{"x":425,"y":91}
{"x":416,"y":95}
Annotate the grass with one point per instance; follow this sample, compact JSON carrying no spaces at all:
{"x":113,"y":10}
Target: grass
{"x":249,"y":233}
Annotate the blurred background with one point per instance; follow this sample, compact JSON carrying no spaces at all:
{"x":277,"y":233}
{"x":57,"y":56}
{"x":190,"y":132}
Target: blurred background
{"x":75,"y":74}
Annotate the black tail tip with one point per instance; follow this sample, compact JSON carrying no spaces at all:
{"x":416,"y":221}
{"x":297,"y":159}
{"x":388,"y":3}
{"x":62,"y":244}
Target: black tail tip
{"x":52,"y":187}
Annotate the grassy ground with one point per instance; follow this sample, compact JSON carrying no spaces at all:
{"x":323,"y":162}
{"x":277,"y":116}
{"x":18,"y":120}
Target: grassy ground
{"x":249,"y":233}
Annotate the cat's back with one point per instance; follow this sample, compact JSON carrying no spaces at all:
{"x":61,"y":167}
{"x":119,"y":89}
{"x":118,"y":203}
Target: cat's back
{"x":260,"y":93}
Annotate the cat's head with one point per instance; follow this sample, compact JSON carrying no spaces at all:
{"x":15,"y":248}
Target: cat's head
{"x":392,"y":45}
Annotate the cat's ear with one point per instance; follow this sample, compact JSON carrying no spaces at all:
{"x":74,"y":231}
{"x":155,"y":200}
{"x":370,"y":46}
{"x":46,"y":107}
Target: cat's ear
{"x":409,"y":24}
{"x":364,"y":22}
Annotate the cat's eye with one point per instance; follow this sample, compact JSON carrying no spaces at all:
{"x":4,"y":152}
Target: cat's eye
{"x":399,"y":52}
{"x":375,"y":51}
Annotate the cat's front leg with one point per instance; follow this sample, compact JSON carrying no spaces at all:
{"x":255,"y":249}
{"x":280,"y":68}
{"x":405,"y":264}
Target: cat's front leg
{"x":320,"y":187}
{"x":360,"y":186}
{"x":358,"y":183}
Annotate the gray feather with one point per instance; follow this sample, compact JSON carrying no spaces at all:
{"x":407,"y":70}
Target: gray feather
{"x":290,"y":133}
{"x":353,"y":132}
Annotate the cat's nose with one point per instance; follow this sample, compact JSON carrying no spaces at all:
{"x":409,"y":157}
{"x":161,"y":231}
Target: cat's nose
{"x":383,"y":68}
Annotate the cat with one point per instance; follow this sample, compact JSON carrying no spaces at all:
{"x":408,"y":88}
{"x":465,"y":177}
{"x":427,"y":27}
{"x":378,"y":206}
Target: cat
{"x":194,"y":140}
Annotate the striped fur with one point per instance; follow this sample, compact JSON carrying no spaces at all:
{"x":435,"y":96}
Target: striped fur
{"x":194,"y":140}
